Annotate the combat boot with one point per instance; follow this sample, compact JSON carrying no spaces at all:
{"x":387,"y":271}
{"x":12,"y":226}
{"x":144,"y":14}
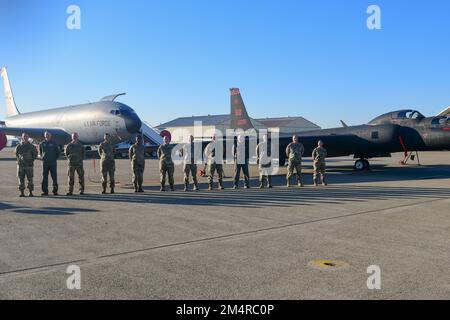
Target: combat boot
{"x":210,"y":186}
{"x":135,"y":187}
{"x":172,"y":188}
{"x":196,"y":188}
{"x":70,"y":193}
{"x":315,"y":182}
{"x":300,"y":183}
{"x":104,"y":190}
{"x":288,"y":183}
{"x":220,"y":185}
{"x":324,"y":183}
{"x":30,"y":194}
{"x":261,"y":186}
{"x":247,"y":186}
{"x":269,"y":181}
{"x":112,"y":191}
{"x":163,"y":188}
{"x":22,"y":194}
{"x":186,"y":187}
{"x":140,"y":190}
{"x":235,"y":187}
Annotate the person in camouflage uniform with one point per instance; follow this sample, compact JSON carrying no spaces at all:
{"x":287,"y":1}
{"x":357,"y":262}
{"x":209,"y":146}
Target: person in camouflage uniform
{"x":294,"y":153}
{"x":137,"y":157}
{"x":26,"y":153}
{"x":319,"y":155}
{"x":49,"y":152}
{"x":263,"y":155}
{"x":166,"y":165}
{"x":189,"y":163}
{"x":75,"y":155}
{"x":241,"y":158}
{"x":213,"y":166}
{"x":107,"y":163}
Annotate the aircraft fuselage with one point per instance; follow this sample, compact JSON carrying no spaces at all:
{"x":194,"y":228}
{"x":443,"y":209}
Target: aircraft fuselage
{"x":374,"y":140}
{"x":91,"y":121}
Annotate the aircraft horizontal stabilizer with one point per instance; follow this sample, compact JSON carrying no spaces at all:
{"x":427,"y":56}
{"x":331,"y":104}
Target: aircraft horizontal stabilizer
{"x":61,"y":137}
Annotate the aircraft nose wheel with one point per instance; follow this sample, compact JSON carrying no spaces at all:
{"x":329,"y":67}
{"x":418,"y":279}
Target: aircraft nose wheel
{"x":361,"y":165}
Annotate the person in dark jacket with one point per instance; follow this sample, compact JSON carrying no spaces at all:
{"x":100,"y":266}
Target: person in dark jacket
{"x":49,"y":152}
{"x":241,"y":159}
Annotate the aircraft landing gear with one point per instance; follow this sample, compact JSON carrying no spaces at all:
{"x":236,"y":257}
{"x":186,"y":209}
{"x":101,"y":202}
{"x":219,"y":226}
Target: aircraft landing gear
{"x":362,"y":165}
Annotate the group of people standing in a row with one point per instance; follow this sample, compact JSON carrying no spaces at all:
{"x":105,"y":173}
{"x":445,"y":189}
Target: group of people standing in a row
{"x":26,"y":154}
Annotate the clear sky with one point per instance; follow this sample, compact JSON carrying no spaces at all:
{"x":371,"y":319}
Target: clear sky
{"x":311,"y":58}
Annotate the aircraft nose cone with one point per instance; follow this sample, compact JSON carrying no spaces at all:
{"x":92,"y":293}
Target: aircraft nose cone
{"x":133,"y":123}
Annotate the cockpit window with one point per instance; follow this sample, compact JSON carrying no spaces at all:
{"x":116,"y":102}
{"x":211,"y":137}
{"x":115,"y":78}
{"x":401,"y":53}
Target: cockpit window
{"x":440,"y":121}
{"x":126,"y":110}
{"x":414,"y":115}
{"x":409,"y":114}
{"x":115,"y":112}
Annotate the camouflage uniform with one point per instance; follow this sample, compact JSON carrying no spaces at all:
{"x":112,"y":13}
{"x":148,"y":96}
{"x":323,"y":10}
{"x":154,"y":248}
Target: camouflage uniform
{"x":166,"y":165}
{"x":319,"y":155}
{"x":241,"y":157}
{"x":294,"y":153}
{"x":189,"y":164}
{"x":49,"y":152}
{"x":26,"y":153}
{"x":213,"y":166}
{"x":265,"y":170}
{"x":107,"y":164}
{"x":75,"y":156}
{"x":137,"y":157}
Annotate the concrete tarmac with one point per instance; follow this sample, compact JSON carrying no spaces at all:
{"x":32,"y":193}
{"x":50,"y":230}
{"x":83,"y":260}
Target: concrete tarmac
{"x":232,"y":244}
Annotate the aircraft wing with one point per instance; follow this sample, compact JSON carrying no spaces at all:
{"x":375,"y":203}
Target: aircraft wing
{"x":60,"y":136}
{"x":445,"y":112}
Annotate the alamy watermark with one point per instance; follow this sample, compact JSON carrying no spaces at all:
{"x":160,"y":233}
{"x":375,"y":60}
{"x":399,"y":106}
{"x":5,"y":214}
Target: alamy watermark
{"x":73,"y":282}
{"x":374,"y":280}
{"x":374,"y":19}
{"x":73,"y":21}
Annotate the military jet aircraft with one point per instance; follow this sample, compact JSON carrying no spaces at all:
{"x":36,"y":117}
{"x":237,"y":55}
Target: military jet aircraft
{"x":91,"y":120}
{"x":397,"y":131}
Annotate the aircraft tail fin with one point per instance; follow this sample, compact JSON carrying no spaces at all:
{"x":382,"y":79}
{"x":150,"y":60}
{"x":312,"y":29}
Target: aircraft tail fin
{"x":239,"y":116}
{"x":344,"y":125}
{"x":11,"y":109}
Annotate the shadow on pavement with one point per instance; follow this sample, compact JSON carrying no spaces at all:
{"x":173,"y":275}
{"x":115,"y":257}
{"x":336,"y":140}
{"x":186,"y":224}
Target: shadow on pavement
{"x":45,"y":210}
{"x":276,"y":197}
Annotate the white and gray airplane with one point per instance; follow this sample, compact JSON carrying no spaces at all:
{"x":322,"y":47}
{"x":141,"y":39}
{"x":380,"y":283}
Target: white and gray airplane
{"x":91,"y":121}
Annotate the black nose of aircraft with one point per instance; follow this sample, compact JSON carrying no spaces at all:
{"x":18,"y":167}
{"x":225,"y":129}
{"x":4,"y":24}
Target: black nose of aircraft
{"x":133,"y":123}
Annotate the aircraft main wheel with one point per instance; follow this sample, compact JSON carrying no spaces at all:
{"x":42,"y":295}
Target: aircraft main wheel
{"x":361,"y":164}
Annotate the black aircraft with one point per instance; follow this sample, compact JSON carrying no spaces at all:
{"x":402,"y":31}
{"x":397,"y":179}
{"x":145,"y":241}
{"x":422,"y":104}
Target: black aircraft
{"x":397,"y":131}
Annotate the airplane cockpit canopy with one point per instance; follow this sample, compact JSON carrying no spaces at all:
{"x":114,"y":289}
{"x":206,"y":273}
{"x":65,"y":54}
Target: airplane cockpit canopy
{"x":398,"y":116}
{"x":441,"y":121}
